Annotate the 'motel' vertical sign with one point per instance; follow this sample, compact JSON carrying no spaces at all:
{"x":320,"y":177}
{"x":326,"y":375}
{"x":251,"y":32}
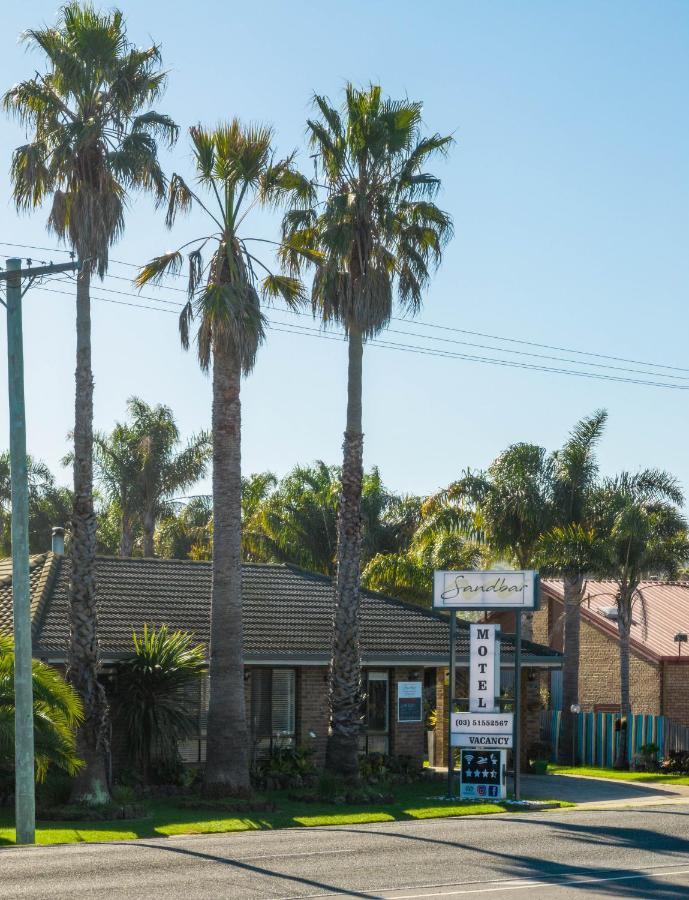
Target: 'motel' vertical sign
{"x":482,"y":667}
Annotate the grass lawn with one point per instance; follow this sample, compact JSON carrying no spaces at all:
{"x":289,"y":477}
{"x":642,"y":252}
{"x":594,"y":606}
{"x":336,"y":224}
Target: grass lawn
{"x":412,"y":801}
{"x":621,"y":775}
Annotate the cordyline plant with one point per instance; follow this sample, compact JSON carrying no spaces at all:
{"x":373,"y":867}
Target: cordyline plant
{"x":156,"y":700}
{"x":94,"y":138}
{"x":377,"y":236}
{"x":235,"y":172}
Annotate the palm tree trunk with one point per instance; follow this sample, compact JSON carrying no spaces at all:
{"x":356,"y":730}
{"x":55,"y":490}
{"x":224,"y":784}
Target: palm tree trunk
{"x":573,"y":590}
{"x":345,"y":666}
{"x":148,"y":526}
{"x":227,"y":757}
{"x":126,"y":535}
{"x":83,"y":657}
{"x":624,"y":626}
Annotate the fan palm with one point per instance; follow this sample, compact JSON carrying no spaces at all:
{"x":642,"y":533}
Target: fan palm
{"x":378,"y":234}
{"x":236,"y":171}
{"x":57,"y":713}
{"x":643,"y":533}
{"x":156,"y":700}
{"x":93,"y":139}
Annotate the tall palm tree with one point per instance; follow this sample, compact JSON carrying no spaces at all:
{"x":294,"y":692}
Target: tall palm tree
{"x":49,"y":505}
{"x":93,"y":139}
{"x":115,"y":457}
{"x":643,"y":533}
{"x":236,"y":171}
{"x":378,"y":234}
{"x":572,"y":547}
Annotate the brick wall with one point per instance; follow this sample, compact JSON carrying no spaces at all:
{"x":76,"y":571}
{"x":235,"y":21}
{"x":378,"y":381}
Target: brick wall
{"x":599,"y":674}
{"x":312,"y":709}
{"x":676,"y":690}
{"x":406,"y":738}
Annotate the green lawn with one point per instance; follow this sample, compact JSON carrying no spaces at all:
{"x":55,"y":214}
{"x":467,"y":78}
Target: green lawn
{"x":595,"y":772}
{"x":414,"y":801}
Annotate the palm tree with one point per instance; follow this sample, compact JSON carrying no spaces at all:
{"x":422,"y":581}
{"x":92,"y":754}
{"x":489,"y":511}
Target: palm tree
{"x":643,"y":533}
{"x":378,"y":234}
{"x":117,"y":470}
{"x":162,"y":471}
{"x":57,"y":713}
{"x":156,"y":701}
{"x":188,"y":532}
{"x":572,"y":548}
{"x":93,"y":139}
{"x":235,"y":167}
{"x":49,"y":505}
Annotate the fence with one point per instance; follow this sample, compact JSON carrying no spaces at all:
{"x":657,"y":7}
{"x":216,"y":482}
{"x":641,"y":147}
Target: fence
{"x":597,"y":737}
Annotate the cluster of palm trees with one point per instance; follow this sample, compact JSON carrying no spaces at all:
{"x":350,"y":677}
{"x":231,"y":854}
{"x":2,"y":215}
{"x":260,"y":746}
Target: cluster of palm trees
{"x":364,"y":228}
{"x":360,"y":234}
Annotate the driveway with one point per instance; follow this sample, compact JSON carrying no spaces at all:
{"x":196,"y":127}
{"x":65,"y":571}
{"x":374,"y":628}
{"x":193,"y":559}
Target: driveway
{"x":602,"y":792}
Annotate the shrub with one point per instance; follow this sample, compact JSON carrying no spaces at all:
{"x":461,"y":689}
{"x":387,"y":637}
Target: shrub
{"x":285,"y":767}
{"x":378,"y":767}
{"x":677,"y":763}
{"x":154,"y":703}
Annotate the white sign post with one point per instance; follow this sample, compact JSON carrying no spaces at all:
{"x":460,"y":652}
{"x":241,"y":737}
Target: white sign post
{"x":483,"y":591}
{"x":482,"y":686}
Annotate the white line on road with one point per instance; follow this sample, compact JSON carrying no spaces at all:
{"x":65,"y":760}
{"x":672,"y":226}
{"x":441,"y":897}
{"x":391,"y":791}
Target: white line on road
{"x":522,"y":885}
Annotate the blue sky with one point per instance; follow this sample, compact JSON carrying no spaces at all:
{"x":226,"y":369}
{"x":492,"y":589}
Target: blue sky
{"x":569,"y":188}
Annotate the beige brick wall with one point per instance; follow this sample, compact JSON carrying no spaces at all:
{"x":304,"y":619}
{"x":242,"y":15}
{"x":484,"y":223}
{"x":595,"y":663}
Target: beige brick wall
{"x":599,"y":674}
{"x":676,"y":691}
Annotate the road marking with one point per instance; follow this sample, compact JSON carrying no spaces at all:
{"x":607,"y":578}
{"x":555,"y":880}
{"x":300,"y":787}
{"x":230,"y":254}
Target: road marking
{"x":391,"y":894}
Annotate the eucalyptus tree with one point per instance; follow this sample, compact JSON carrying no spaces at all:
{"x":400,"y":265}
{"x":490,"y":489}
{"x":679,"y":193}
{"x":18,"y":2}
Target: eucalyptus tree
{"x":378,"y":235}
{"x":93,"y":138}
{"x":644,"y":533}
{"x":572,"y":547}
{"x":235,"y":172}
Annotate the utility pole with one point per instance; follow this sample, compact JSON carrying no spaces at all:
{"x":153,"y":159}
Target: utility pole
{"x":21,"y":601}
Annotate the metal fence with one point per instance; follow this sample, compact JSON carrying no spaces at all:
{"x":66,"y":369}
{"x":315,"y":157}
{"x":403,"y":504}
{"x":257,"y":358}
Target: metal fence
{"x":597,"y":736}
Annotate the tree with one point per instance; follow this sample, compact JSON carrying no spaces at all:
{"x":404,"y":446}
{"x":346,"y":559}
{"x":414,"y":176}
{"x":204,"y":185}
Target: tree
{"x":93,"y":139}
{"x":572,"y":547}
{"x":57,"y":713}
{"x":156,"y":700}
{"x":188,"y":532}
{"x":377,"y":234}
{"x":236,"y":169}
{"x":142,"y":470}
{"x":644,"y":533}
{"x":49,"y":505}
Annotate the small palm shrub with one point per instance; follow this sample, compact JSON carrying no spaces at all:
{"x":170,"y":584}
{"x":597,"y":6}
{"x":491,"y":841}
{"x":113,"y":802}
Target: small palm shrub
{"x":155,"y":703}
{"x":57,"y":712}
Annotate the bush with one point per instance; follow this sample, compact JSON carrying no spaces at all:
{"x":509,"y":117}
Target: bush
{"x":647,"y":758}
{"x":55,"y":790}
{"x":285,"y":767}
{"x":383,"y":767}
{"x":677,"y":763}
{"x":334,"y":789}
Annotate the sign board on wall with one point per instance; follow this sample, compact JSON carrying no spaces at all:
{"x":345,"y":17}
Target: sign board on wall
{"x":485,"y":590}
{"x":482,"y":730}
{"x":483,"y":775}
{"x":409,"y":701}
{"x":482,"y":668}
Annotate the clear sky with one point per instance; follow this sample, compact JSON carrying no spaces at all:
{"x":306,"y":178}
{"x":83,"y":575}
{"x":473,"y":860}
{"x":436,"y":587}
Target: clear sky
{"x":569,"y":188}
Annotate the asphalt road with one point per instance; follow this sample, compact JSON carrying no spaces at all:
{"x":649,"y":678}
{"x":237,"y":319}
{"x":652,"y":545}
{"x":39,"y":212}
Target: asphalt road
{"x":558,"y":854}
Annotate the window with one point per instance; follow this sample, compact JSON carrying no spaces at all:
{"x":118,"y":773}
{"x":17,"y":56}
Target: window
{"x":273,"y":704}
{"x":376,"y":714}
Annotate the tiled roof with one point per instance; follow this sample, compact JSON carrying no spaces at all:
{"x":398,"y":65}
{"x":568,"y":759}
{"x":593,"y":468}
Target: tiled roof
{"x":287,"y":613}
{"x":42,"y":569}
{"x":667,"y":612}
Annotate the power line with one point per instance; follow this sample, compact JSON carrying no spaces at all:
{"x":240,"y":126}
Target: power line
{"x":416,"y":334}
{"x":418,"y":323}
{"x":306,"y":331}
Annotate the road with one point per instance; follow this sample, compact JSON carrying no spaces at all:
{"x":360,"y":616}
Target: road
{"x":557,"y":854}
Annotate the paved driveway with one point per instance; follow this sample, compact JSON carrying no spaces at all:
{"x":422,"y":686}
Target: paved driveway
{"x":601,"y":792}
